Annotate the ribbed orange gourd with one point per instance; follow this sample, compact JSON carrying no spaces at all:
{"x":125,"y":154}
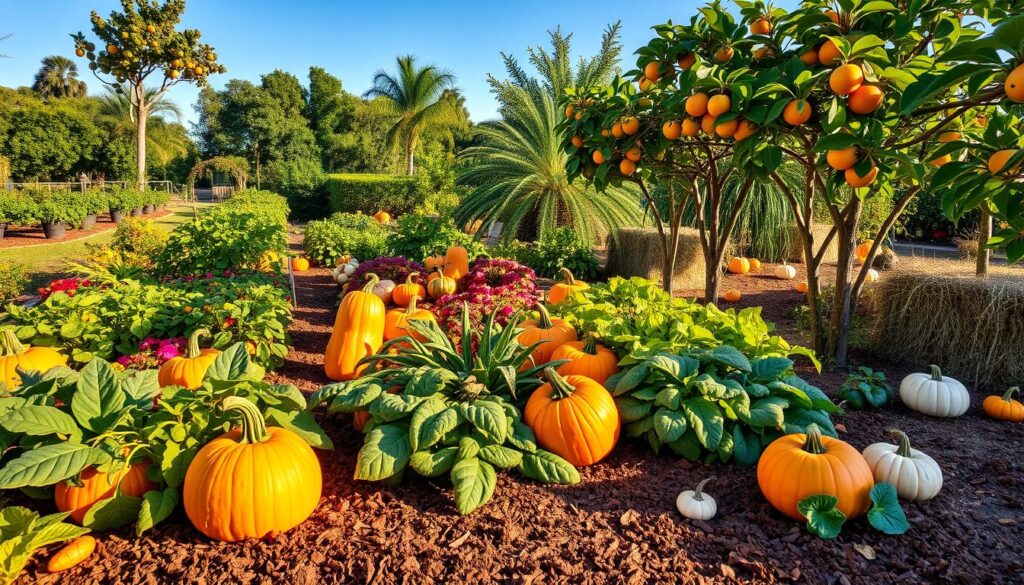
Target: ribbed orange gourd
{"x":1004,"y":407}
{"x":573,"y":417}
{"x":551,"y":332}
{"x":14,"y":355}
{"x":96,"y":486}
{"x":358,"y":332}
{"x":432,"y":262}
{"x":456,"y":262}
{"x":587,"y":358}
{"x":440,"y":285}
{"x":565,"y":289}
{"x":252,"y":480}
{"x":796,"y":466}
{"x":405,"y":292}
{"x":187,"y":371}
{"x":396,"y":321}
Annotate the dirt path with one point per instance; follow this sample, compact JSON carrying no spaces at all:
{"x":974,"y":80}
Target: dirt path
{"x":618,"y":526}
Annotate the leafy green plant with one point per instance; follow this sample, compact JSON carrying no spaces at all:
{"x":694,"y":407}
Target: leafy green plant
{"x":560,"y":248}
{"x":442,"y":409}
{"x":225,"y":238}
{"x":419,"y":236}
{"x":866,"y":388}
{"x":124,"y":199}
{"x":262,"y":202}
{"x":825,"y":519}
{"x":716,"y":402}
{"x":12,"y":281}
{"x":343,"y":234}
{"x":368,"y":193}
{"x":16,"y":208}
{"x":95,"y":201}
{"x":61,"y":207}
{"x":23,"y":532}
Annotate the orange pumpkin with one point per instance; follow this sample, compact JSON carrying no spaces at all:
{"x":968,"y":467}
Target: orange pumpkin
{"x":358,"y":332}
{"x":1004,"y":407}
{"x":188,"y":370}
{"x":573,"y":417}
{"x":251,"y":481}
{"x":587,"y":358}
{"x":550,"y":332}
{"x":862,"y":250}
{"x":739,"y":265}
{"x":732,"y":295}
{"x":796,"y":466}
{"x":96,"y":486}
{"x":396,"y":321}
{"x":456,"y":262}
{"x":440,"y":285}
{"x":300,"y":264}
{"x":404,"y":293}
{"x":755,"y":264}
{"x":382,"y":217}
{"x":432,"y":262}
{"x":14,"y":355}
{"x":565,"y":289}
{"x":360,"y":418}
{"x":801,"y":287}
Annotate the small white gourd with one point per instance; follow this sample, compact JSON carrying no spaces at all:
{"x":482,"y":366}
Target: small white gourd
{"x":349,"y":269}
{"x":384,"y":289}
{"x":785,"y":272}
{"x":934,"y":394}
{"x":695,"y":504}
{"x":917,"y":476}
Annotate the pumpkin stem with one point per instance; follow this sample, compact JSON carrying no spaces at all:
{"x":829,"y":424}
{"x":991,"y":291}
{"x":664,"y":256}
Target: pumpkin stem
{"x":545,"y":318}
{"x":374,"y":280}
{"x":590,"y":345}
{"x":412,"y":278}
{"x":412,"y":305}
{"x":9,"y":344}
{"x":1009,"y":393}
{"x":567,"y":276}
{"x":193,"y":351}
{"x":903,"y":440}
{"x":560,"y":388}
{"x":813,"y":443}
{"x":936,"y":373}
{"x":698,"y":492}
{"x":254,"y":427}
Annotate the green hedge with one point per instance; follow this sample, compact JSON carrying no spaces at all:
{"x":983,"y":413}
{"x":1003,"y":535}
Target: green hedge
{"x":351,"y":193}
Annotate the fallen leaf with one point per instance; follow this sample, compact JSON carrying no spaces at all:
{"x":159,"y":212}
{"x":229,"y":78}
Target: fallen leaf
{"x":727,"y":571}
{"x":459,"y":541}
{"x":627,"y":517}
{"x":1007,"y":521}
{"x":840,"y":427}
{"x":865,"y":551}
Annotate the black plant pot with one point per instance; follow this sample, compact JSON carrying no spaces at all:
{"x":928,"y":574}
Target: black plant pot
{"x":116,"y":215}
{"x":3,"y":228}
{"x":137,"y":212}
{"x":148,"y":208}
{"x":89,"y":222}
{"x":54,"y":230}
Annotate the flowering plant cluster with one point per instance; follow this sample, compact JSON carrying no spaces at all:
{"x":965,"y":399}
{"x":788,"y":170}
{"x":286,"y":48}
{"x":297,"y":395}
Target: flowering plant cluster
{"x":494,"y":286}
{"x":488,"y":274}
{"x":66,"y":285}
{"x":153,"y":353}
{"x":394,"y":268}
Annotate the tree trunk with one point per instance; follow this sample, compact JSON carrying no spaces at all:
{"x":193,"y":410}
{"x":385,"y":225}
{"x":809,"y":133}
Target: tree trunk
{"x":409,"y":150}
{"x":843,"y":302}
{"x":140,"y":138}
{"x":984,"y":233}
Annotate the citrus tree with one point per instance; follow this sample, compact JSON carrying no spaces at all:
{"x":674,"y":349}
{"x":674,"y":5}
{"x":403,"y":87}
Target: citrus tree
{"x":138,"y":43}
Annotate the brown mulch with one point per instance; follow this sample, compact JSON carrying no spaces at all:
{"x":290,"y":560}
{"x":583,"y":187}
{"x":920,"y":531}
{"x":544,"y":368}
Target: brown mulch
{"x":619,"y":525}
{"x":17,"y":236}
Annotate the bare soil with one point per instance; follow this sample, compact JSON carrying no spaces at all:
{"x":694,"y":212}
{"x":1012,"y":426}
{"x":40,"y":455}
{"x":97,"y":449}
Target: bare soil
{"x":619,"y":525}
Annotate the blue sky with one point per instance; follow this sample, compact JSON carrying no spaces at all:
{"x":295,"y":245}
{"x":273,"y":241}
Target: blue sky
{"x":351,"y":39}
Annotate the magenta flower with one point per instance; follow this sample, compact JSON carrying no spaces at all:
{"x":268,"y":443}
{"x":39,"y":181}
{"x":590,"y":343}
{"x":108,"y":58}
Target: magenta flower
{"x":166,"y":352}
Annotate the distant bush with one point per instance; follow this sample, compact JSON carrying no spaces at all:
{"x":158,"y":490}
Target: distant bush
{"x":69,"y":207}
{"x":345,"y":233}
{"x":225,"y":238}
{"x":124,"y":199}
{"x":12,"y":281}
{"x":266,"y":202}
{"x":395,"y":194}
{"x":562,"y":248}
{"x":17,"y":208}
{"x":419,"y":236}
{"x":301,"y":181}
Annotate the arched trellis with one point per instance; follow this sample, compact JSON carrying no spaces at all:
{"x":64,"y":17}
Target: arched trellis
{"x":236,"y":165}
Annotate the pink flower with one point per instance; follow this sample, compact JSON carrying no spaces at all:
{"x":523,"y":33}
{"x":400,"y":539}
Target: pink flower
{"x":123,"y":360}
{"x":166,"y":352}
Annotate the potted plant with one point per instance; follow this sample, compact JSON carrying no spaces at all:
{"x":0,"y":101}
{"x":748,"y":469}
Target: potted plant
{"x":57,"y":210}
{"x":149,"y":199}
{"x":94,"y":201}
{"x":121,"y":201}
{"x":16,"y":208}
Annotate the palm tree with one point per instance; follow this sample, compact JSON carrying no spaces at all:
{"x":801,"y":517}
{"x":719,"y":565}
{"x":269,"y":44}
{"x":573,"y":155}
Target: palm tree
{"x":518,"y":173}
{"x":164,"y":139}
{"x":417,"y":98}
{"x":58,"y":78}
{"x":118,"y":106}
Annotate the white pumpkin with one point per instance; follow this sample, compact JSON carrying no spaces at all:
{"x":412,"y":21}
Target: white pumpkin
{"x":872,"y":275}
{"x":934,"y":394}
{"x":785,"y":272}
{"x":695,"y":504}
{"x":349,"y":269}
{"x":917,"y":476}
{"x":384,"y":289}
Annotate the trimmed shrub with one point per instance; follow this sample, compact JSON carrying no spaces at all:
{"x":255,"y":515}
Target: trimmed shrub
{"x":12,"y":281}
{"x":352,"y":193}
{"x":345,"y":234}
{"x":419,"y":236}
{"x":562,"y":248}
{"x":17,"y":208}
{"x":260,"y":202}
{"x":223,"y":239}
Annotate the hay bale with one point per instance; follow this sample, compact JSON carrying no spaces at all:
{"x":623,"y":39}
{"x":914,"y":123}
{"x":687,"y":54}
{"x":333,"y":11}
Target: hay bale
{"x":637,"y":252}
{"x":938,"y":312}
{"x":791,"y":237}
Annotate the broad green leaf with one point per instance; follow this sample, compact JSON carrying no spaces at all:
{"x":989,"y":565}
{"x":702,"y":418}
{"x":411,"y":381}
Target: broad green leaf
{"x":522,"y":438}
{"x":385,"y":452}
{"x":706,"y":420}
{"x":98,"y":398}
{"x":547,"y":467}
{"x":676,"y":367}
{"x":746,"y":446}
{"x":302,"y":424}
{"x":46,"y":465}
{"x":631,"y":378}
{"x":669,"y":397}
{"x":474,"y":483}
{"x":156,"y":507}
{"x":352,"y":396}
{"x":488,"y":418}
{"x":501,"y":456}
{"x":39,"y":421}
{"x":686,"y":446}
{"x":731,"y":357}
{"x":431,"y":421}
{"x":824,"y":519}
{"x":631,"y":409}
{"x":669,"y":424}
{"x":433,"y":464}
{"x":767,"y":412}
{"x":886,"y":514}
{"x":637,"y":429}
{"x":231,"y":364}
{"x":769,"y":369}
{"x":390,"y":407}
{"x":113,"y":512}
{"x":49,"y":531}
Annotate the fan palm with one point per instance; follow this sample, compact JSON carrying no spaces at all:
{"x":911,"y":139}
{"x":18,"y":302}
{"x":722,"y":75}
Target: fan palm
{"x":517,"y":174}
{"x":58,"y":78}
{"x":165,"y":140}
{"x":116,"y":105}
{"x":417,"y":98}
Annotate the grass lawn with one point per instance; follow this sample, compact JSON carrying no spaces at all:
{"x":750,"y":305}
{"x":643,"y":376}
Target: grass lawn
{"x":46,"y":261}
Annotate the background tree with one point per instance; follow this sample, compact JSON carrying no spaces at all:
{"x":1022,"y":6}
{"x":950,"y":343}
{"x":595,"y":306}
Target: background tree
{"x":140,"y":42}
{"x":58,"y":78}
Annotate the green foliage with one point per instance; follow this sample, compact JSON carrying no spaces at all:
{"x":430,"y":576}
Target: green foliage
{"x":716,"y":403}
{"x":418,"y":236}
{"x":23,"y":532}
{"x":48,"y":140}
{"x":562,"y":248}
{"x":453,"y":412}
{"x":112,"y":321}
{"x":261,"y":202}
{"x":824,"y":519}
{"x":16,"y":208}
{"x":224,"y":238}
{"x":136,"y":235}
{"x":124,"y":200}
{"x":350,"y":193}
{"x":345,"y":234}
{"x":12,"y":281}
{"x":885,"y":514}
{"x":638,"y":319}
{"x":866,"y":389}
{"x":435,"y":178}
{"x":69,"y":207}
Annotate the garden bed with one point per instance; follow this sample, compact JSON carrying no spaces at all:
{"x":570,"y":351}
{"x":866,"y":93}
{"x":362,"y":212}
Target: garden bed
{"x":18,"y":236}
{"x":619,"y":524}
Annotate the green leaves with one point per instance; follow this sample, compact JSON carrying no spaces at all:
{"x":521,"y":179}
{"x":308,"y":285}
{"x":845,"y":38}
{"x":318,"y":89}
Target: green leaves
{"x":39,"y":421}
{"x":22,"y":532}
{"x":706,"y":419}
{"x":231,"y":364}
{"x":824,"y":519}
{"x":156,"y":507}
{"x":669,"y":424}
{"x":431,"y":421}
{"x":113,"y":512}
{"x":474,"y":481}
{"x":385,"y":452}
{"x":886,"y":515}
{"x":47,"y":465}
{"x":98,"y":399}
{"x":487,"y":417}
{"x":547,"y":467}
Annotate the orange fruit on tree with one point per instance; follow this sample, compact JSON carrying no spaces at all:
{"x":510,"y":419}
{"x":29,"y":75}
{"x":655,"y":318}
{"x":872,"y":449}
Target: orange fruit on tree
{"x":691,"y":126}
{"x":810,"y":57}
{"x":950,"y":136}
{"x":857,"y":181}
{"x":617,"y":130}
{"x":832,"y":15}
{"x":723,"y":54}
{"x":630,"y":125}
{"x":605,"y":132}
{"x":745,"y":130}
{"x":797,"y":112}
{"x":672,"y":129}
{"x":727,"y":129}
{"x":644,"y":83}
{"x":846,"y":79}
{"x":763,"y":53}
{"x":627,"y":167}
{"x":597,"y":157}
{"x":686,"y":60}
{"x":707,"y":124}
{"x":829,"y":53}
{"x":761,"y":26}
{"x":569,"y":111}
{"x":997,"y":162}
{"x":634,"y":154}
{"x":651,"y":71}
{"x":719,"y":104}
{"x":1015,"y":84}
{"x":938,"y":162}
{"x":578,"y":116}
{"x":697,"y":104}
{"x":865,"y":99}
{"x":577,"y":141}
{"x":842,"y":158}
